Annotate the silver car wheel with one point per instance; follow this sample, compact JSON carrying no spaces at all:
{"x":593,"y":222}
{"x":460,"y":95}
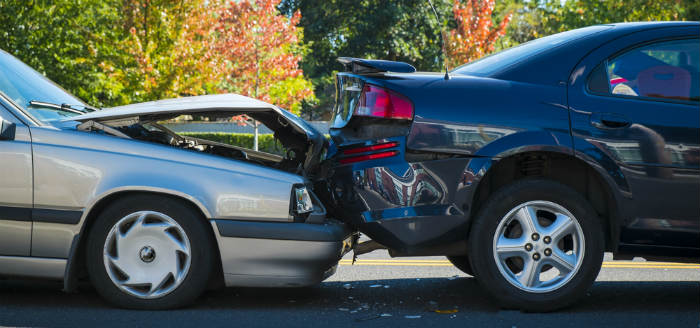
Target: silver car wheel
{"x":538,"y":246}
{"x":147,"y":254}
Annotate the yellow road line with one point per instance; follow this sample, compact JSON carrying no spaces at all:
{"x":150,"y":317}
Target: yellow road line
{"x":607,"y":264}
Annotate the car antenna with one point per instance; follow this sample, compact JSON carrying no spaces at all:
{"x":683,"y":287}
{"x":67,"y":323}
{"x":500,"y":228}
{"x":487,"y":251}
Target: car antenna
{"x":442,"y":39}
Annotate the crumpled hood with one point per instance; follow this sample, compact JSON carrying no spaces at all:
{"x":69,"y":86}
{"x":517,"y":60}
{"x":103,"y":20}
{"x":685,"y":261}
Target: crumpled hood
{"x":211,"y":104}
{"x":178,"y":106}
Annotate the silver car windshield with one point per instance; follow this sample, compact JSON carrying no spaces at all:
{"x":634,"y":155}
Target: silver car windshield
{"x":23,"y":84}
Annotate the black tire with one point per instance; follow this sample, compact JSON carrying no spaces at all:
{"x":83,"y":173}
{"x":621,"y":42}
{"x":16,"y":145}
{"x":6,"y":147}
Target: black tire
{"x":462,"y":263}
{"x":201,"y":252}
{"x":481,"y":245}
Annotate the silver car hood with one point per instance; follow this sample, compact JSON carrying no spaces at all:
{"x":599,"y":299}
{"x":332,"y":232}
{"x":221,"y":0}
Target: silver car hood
{"x":168,"y":108}
{"x":178,"y":106}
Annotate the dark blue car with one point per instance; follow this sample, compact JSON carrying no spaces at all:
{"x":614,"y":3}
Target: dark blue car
{"x":524,"y":167}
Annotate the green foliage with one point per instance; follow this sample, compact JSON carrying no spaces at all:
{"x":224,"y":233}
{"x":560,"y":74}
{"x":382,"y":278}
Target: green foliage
{"x":113,"y":52}
{"x":579,"y":13}
{"x":403,"y":30}
{"x":266,"y":142}
{"x":537,"y":18}
{"x":66,"y":40}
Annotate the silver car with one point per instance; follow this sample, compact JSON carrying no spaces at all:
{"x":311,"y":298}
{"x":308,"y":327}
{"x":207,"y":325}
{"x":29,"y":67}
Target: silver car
{"x":151,"y":217}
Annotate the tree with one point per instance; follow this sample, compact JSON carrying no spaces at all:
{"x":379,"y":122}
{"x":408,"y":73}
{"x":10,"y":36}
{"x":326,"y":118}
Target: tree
{"x":66,"y":40}
{"x":260,"y":51}
{"x":475,"y":35}
{"x":403,"y":30}
{"x":166,"y":45}
{"x":537,"y":18}
{"x":579,"y":13}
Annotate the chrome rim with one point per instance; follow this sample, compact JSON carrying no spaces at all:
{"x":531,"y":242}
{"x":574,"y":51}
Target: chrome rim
{"x":147,"y":254}
{"x":538,"y":246}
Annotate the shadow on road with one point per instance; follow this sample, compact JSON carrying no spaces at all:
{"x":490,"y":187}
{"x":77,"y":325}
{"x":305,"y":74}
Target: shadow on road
{"x":409,"y":294}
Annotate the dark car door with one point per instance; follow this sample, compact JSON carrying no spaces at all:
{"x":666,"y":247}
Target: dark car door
{"x":635,"y":100}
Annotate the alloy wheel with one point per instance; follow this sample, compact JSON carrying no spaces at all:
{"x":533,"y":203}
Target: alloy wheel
{"x":538,"y":246}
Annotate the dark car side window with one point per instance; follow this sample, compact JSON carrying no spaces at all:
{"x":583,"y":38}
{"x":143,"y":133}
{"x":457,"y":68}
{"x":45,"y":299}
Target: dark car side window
{"x":667,"y":70}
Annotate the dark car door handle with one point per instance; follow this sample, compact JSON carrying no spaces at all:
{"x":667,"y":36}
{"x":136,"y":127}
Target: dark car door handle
{"x":609,"y":121}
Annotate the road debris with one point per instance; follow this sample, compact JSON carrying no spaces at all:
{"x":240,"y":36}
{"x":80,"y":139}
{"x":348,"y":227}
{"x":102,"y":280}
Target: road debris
{"x":432,"y":305}
{"x":372,"y":317}
{"x":447,"y":311}
{"x":376,"y":316}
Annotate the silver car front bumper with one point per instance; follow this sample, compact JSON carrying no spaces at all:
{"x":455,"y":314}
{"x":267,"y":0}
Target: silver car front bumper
{"x":276,"y":254}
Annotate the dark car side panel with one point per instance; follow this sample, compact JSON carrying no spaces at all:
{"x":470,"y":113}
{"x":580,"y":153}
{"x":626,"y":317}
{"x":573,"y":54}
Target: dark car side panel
{"x":659,"y":205}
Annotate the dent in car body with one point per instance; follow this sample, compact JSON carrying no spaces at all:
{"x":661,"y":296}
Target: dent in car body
{"x":471,"y":120}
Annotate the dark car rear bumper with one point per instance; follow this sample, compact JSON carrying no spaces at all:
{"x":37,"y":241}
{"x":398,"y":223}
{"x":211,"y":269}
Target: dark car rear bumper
{"x":413,"y":208}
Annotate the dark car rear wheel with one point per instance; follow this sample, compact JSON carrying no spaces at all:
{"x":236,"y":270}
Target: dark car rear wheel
{"x":462,"y":263}
{"x":536,"y":245}
{"x":149,"y":252}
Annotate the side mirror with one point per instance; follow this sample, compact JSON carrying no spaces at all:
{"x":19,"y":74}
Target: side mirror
{"x":7,"y":130}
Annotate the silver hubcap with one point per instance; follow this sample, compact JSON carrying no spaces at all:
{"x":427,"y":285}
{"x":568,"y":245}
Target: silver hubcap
{"x":147,"y":254}
{"x":538,"y":246}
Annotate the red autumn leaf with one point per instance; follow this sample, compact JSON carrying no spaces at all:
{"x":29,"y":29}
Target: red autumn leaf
{"x":475,"y":35}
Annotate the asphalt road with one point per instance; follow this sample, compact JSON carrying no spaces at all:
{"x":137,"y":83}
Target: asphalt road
{"x":380,"y":292}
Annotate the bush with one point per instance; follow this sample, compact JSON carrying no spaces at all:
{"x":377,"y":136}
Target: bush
{"x":266,"y":142}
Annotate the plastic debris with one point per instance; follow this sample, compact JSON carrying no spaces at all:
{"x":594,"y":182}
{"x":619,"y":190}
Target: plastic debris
{"x":447,"y":311}
{"x":367,"y":318}
{"x":412,"y":316}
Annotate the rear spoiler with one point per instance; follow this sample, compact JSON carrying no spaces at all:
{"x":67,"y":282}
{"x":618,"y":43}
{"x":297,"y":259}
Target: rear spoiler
{"x":361,"y":66}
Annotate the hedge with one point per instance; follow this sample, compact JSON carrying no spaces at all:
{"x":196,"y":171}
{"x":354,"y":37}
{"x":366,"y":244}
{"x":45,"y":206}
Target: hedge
{"x":266,"y":142}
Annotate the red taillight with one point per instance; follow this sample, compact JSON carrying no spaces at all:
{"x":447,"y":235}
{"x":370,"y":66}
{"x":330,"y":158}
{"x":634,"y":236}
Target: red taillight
{"x":364,"y":149}
{"x":383,"y":103}
{"x":361,"y":158}
{"x":370,"y":148}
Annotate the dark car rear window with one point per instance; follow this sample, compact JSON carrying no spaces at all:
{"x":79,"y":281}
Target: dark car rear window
{"x":497,"y":62}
